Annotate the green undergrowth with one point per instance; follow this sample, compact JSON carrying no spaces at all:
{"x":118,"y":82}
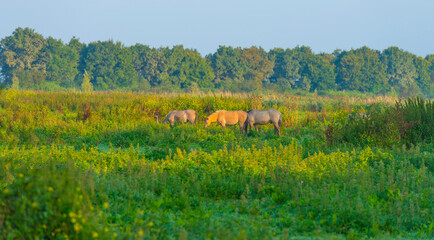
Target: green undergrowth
{"x":100,"y":166}
{"x":240,"y":193}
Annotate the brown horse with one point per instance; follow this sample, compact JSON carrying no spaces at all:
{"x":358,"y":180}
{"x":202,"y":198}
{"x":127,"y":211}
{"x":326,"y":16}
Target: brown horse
{"x":181,"y":116}
{"x":228,"y":118}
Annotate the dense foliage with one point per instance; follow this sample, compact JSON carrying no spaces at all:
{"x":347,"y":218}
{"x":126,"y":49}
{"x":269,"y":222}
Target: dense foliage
{"x":100,"y":166}
{"x":30,"y":61}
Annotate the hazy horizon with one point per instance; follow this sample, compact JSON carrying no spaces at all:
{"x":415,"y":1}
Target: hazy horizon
{"x":205,"y":25}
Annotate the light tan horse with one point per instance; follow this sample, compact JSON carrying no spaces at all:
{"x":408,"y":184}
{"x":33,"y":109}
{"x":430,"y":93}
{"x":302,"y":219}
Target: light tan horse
{"x":224,"y":118}
{"x":262,"y":117}
{"x":181,"y":116}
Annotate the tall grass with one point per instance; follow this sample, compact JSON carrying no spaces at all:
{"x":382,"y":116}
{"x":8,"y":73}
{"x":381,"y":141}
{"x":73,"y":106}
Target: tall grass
{"x":98,"y":165}
{"x":274,"y":189}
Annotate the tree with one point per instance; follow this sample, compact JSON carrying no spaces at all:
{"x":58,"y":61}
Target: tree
{"x":15,"y":83}
{"x":86,"y":86}
{"x":401,"y":71}
{"x":197,"y":71}
{"x":63,"y":60}
{"x":423,"y":79}
{"x":257,"y":68}
{"x":349,"y":71}
{"x":186,"y":67}
{"x":317,"y":68}
{"x":286,"y":69}
{"x":360,"y":69}
{"x":151,"y":64}
{"x":227,"y":66}
{"x":21,"y":56}
{"x":430,"y":91}
{"x":110,"y":65}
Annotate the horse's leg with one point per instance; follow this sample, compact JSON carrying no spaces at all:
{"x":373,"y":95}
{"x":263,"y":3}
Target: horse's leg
{"x":251,"y":125}
{"x":276,"y":128}
{"x":256,"y":127}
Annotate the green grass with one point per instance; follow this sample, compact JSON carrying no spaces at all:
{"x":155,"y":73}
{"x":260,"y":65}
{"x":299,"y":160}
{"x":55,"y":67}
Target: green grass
{"x":120,"y":175}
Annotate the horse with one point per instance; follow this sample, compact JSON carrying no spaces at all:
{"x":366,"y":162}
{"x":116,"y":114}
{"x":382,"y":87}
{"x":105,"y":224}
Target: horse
{"x":181,"y":116}
{"x":262,"y":117}
{"x":228,"y":118}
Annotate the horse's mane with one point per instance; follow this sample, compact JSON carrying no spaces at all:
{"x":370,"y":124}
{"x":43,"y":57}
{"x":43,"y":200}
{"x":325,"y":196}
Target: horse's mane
{"x":168,"y":116}
{"x":214,"y":113}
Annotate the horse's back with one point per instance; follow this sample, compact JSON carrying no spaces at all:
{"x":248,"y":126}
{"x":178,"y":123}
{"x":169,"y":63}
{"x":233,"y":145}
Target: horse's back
{"x":169,"y":116}
{"x":180,"y":116}
{"x":242,"y":116}
{"x":274,"y":113}
{"x":191,"y":115}
{"x":190,"y":112}
{"x":264,"y":116}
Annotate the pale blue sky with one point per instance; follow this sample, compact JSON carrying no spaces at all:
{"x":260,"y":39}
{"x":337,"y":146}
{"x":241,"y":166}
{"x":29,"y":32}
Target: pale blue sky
{"x":323,"y":25}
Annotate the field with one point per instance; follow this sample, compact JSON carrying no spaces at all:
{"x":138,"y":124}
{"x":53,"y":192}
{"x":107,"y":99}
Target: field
{"x":100,"y":166}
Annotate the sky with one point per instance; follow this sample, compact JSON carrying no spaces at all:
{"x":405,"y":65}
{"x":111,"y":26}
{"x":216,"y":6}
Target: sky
{"x":323,"y":25}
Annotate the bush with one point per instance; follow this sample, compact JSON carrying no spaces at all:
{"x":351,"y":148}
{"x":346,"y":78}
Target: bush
{"x":50,"y":202}
{"x":387,"y":126}
{"x":416,"y":120}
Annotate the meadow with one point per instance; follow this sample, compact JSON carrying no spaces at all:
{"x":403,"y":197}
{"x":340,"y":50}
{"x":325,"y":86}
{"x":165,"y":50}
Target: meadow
{"x":102,"y":166}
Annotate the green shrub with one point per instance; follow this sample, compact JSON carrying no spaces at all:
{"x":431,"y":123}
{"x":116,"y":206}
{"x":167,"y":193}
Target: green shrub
{"x":417,"y":120}
{"x":52,"y":201}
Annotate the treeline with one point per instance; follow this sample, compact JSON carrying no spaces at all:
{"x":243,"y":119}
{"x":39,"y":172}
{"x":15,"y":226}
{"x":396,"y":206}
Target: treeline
{"x":30,"y":61}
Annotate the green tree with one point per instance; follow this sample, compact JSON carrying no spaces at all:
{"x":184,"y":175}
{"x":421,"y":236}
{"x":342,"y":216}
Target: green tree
{"x":319,"y":69}
{"x":186,"y":68}
{"x":151,"y":64}
{"x":63,"y":60}
{"x":86,"y":85}
{"x":21,"y":56}
{"x":401,"y":71}
{"x":286,"y":69}
{"x":360,"y":69}
{"x":198,"y":71}
{"x":257,"y":68}
{"x":110,"y":65}
{"x":430,"y":59}
{"x":423,"y":79}
{"x":227,"y":66}
{"x":15,"y":83}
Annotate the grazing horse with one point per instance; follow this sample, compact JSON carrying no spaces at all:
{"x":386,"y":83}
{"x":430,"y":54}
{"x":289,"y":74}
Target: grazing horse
{"x":228,"y":118}
{"x":181,"y":116}
{"x":262,"y":117}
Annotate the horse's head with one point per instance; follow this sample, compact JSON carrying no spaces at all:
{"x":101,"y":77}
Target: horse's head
{"x":207,"y":122}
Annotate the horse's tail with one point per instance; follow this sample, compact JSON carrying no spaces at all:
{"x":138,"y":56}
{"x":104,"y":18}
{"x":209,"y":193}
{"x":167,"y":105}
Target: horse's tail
{"x":195,"y":119}
{"x":280,"y":120}
{"x":246,"y":123}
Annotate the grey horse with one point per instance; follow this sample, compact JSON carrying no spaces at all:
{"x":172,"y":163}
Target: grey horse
{"x":181,"y":116}
{"x":262,"y":117}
